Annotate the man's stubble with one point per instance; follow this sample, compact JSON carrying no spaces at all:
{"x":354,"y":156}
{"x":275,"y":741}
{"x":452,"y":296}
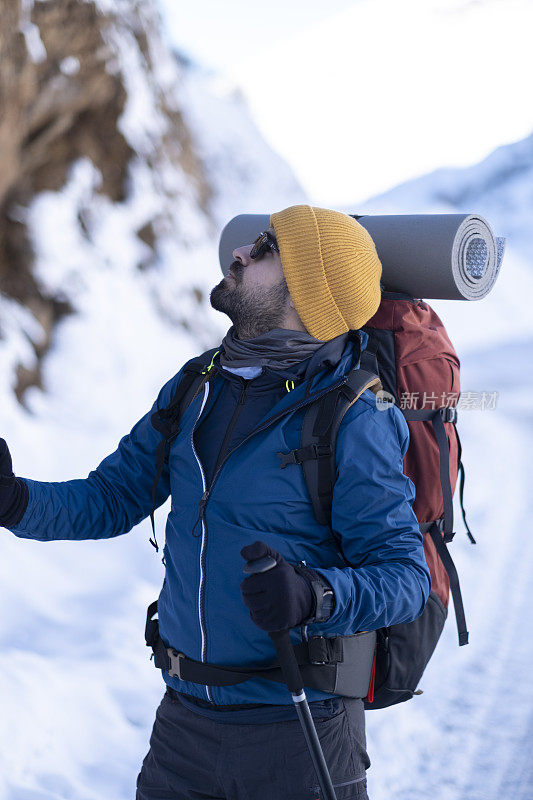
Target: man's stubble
{"x":252,"y":311}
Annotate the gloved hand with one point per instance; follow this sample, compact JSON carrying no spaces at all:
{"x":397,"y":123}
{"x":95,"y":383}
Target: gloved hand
{"x":280,"y":598}
{"x":13,"y":491}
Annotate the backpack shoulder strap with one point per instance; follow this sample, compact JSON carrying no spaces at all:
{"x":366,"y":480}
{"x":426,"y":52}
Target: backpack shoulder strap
{"x":167,"y":420}
{"x":461,"y":472}
{"x":321,"y":424}
{"x":369,"y":356}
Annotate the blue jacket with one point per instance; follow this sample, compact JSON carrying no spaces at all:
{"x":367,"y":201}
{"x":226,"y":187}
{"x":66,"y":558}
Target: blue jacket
{"x":201,"y":611}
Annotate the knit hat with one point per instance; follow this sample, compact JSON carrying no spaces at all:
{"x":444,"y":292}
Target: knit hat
{"x":331,"y":267}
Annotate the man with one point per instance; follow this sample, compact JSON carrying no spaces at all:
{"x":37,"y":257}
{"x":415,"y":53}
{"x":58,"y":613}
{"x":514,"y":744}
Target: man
{"x":297,"y":298}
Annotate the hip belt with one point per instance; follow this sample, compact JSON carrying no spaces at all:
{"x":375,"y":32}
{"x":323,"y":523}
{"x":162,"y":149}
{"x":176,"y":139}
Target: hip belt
{"x":340,"y":665}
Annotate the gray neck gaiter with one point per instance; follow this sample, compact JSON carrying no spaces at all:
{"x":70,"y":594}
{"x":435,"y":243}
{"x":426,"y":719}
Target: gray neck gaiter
{"x":279,"y":348}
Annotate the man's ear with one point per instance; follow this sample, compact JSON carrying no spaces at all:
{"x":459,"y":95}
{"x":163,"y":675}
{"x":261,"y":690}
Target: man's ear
{"x":291,"y":303}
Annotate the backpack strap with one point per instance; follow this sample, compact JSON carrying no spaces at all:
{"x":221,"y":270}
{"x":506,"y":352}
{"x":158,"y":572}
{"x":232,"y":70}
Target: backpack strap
{"x":435,"y":531}
{"x":438,"y":416}
{"x":319,"y":434}
{"x":167,"y":420}
{"x":441,"y":531}
{"x":461,"y":471}
{"x":369,"y":356}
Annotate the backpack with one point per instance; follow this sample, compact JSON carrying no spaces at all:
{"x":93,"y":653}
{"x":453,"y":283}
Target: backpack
{"x":408,"y":354}
{"x":410,"y":351}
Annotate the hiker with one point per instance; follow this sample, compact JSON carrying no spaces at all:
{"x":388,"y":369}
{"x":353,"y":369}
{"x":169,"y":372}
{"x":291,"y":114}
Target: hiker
{"x":297,"y":298}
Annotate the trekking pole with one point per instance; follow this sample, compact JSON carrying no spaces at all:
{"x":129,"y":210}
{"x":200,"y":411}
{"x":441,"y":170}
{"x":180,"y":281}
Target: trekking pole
{"x":293,"y":679}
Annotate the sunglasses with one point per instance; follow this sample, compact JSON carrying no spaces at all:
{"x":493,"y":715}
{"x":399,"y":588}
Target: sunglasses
{"x":265,"y":241}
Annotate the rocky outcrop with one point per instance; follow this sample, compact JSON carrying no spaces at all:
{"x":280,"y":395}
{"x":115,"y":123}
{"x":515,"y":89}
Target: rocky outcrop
{"x":64,"y":96}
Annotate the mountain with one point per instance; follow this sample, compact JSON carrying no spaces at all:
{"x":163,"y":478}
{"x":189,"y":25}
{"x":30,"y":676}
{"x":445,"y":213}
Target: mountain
{"x":119,"y":164}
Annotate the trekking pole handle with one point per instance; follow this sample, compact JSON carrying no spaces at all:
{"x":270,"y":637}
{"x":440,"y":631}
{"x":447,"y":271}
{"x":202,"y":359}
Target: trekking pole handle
{"x":281,"y":639}
{"x":259,"y":565}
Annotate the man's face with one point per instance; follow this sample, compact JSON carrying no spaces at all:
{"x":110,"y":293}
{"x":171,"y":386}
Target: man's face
{"x":254,"y":294}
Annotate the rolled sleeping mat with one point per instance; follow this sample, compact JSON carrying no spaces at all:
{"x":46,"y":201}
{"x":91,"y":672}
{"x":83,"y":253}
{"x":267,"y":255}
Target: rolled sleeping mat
{"x":433,"y":256}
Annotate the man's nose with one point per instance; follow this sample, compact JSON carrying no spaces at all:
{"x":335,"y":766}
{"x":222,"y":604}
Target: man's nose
{"x":242,"y":254}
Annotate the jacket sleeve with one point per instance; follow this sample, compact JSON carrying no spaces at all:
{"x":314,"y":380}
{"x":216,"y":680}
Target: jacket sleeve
{"x":387,"y":580}
{"x":112,"y":499}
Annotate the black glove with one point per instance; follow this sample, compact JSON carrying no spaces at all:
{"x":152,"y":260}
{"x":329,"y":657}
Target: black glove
{"x":13,"y":491}
{"x":280,"y":598}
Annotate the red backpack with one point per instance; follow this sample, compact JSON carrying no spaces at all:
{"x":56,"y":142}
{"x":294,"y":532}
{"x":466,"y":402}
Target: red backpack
{"x":411,"y":353}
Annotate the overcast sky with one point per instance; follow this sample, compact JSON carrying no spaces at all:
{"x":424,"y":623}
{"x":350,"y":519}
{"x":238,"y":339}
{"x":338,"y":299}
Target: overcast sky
{"x":360,"y":95}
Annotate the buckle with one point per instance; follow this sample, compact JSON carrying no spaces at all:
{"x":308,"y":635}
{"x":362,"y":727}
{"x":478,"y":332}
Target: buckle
{"x":448,"y":414}
{"x":314,"y":450}
{"x":323,"y":650}
{"x":447,"y":537}
{"x":321,"y":450}
{"x":288,"y":458}
{"x":318,"y":650}
{"x":175,"y":665}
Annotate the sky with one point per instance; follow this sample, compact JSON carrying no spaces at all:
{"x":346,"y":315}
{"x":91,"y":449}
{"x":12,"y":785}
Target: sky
{"x":361,"y":95}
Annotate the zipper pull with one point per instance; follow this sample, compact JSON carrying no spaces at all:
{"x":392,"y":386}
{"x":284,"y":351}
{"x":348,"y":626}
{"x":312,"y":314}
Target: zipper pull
{"x":203,"y":502}
{"x":201,"y":505}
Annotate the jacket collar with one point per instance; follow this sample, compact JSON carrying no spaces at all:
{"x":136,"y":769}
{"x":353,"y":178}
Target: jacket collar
{"x":338,"y":355}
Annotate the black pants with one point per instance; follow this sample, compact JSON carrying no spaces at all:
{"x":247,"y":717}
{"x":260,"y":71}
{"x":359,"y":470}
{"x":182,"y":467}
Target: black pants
{"x":192,"y":757}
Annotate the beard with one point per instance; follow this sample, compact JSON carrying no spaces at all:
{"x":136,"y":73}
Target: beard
{"x":252,"y":311}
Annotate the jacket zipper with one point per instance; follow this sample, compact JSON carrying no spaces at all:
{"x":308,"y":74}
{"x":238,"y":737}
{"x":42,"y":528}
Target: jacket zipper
{"x":227,"y":436}
{"x":201,"y":517}
{"x":204,"y":541}
{"x":231,"y":426}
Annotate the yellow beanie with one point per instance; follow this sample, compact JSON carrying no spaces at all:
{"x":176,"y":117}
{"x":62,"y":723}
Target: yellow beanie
{"x":331,"y":267}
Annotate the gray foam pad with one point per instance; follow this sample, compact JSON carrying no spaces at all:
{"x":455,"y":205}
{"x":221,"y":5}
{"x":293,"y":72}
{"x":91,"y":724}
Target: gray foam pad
{"x":439,"y":256}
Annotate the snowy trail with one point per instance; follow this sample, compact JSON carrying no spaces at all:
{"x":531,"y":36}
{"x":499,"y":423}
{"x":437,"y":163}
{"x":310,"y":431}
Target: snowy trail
{"x":470,"y":736}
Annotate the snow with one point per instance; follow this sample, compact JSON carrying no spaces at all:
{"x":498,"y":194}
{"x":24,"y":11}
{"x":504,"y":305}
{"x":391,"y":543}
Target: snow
{"x":69,"y":66}
{"x":246,"y":173}
{"x":78,"y":692}
{"x":31,"y":33}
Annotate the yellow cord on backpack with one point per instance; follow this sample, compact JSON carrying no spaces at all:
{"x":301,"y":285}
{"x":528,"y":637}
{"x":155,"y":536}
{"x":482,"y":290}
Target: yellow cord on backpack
{"x":210,"y":367}
{"x":289,"y":389}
